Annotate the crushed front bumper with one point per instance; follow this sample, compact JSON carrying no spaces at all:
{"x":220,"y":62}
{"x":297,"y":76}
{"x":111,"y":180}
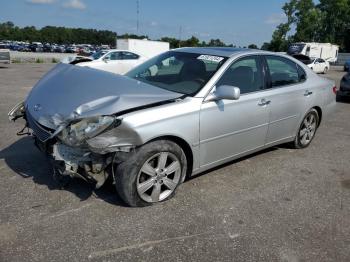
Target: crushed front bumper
{"x":76,"y":162}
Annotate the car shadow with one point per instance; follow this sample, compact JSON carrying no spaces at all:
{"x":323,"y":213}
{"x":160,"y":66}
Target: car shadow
{"x":342,"y":99}
{"x":27,"y":161}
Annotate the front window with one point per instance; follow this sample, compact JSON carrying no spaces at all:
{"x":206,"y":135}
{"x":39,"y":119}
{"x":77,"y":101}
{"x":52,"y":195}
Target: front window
{"x":179,"y":72}
{"x":98,"y":54}
{"x":244,"y":74}
{"x":113,"y":56}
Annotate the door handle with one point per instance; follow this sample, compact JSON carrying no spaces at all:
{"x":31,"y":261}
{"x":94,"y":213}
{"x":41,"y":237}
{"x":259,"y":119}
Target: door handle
{"x":264,"y":102}
{"x":307,"y":93}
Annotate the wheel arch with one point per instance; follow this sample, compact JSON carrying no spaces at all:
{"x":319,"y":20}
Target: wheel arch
{"x":319,"y":112}
{"x":185,"y":146}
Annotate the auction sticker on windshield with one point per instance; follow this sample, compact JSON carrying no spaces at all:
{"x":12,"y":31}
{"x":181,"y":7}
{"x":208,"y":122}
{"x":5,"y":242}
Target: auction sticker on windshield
{"x":212,"y":58}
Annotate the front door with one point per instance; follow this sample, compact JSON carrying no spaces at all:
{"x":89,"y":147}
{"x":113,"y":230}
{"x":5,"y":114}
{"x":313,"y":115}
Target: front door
{"x":112,"y":63}
{"x":231,"y":128}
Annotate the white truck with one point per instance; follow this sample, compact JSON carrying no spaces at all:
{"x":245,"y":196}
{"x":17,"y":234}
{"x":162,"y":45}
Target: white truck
{"x":324,"y":51}
{"x":144,"y":47}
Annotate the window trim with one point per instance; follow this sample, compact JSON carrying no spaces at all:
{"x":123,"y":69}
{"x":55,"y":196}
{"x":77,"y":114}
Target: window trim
{"x":269,"y":86}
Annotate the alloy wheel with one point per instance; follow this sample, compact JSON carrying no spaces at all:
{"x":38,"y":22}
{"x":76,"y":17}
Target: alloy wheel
{"x":308,"y":129}
{"x":158,"y":177}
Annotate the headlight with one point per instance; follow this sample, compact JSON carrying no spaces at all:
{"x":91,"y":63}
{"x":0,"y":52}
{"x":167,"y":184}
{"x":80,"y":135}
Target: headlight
{"x":76,"y":133}
{"x":16,"y":112}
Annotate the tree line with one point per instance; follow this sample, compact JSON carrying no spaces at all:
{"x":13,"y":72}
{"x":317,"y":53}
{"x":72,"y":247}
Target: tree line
{"x":328,"y":21}
{"x":63,"y":35}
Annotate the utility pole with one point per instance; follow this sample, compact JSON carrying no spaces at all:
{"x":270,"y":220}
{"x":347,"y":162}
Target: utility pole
{"x":137,"y":16}
{"x":180,"y":35}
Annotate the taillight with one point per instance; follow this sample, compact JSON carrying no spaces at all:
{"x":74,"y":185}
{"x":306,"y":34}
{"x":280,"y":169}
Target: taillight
{"x":335,"y":90}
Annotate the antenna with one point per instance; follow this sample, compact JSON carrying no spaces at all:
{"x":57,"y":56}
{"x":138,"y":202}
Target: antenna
{"x":137,"y":16}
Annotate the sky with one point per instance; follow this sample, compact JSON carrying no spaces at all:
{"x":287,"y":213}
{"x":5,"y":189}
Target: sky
{"x":237,"y":22}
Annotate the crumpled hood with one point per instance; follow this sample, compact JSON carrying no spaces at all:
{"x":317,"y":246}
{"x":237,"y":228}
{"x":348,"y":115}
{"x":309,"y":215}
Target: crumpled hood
{"x":70,"y":92}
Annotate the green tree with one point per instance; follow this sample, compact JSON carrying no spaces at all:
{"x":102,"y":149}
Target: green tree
{"x":335,"y":22}
{"x":280,"y":38}
{"x":265,"y":46}
{"x":253,"y":46}
{"x":307,"y":19}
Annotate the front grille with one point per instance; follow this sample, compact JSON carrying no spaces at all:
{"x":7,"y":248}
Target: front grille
{"x":39,"y":131}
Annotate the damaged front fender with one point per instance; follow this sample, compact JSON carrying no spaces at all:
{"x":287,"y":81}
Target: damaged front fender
{"x":122,"y":138}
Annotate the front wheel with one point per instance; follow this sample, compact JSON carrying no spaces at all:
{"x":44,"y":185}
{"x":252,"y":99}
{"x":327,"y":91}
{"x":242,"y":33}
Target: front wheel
{"x":151,"y":174}
{"x":325,"y":70}
{"x":307,"y":129}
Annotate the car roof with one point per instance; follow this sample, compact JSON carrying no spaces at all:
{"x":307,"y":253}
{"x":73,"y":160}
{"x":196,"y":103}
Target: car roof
{"x":218,"y":51}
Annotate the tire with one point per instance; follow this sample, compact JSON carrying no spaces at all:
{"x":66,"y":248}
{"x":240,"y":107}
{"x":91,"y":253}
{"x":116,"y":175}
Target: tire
{"x":145,"y":179}
{"x":325,"y":70}
{"x":307,"y":130}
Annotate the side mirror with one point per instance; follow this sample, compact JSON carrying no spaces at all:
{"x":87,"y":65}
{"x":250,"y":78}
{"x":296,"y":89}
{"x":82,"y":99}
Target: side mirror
{"x":105,"y":59}
{"x":224,"y":92}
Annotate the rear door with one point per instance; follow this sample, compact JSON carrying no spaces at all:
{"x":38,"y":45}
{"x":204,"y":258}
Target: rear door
{"x":289,"y":97}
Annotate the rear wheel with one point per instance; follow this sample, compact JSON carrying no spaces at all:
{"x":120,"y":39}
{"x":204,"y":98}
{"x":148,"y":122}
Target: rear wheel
{"x":307,"y":129}
{"x":151,"y":174}
{"x":325,"y":70}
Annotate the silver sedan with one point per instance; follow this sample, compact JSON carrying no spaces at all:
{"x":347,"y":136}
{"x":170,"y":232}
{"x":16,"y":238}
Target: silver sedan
{"x":176,"y":115}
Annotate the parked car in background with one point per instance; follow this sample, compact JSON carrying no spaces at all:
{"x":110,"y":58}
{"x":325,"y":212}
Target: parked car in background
{"x":178,"y":114}
{"x":344,"y":90}
{"x":36,"y":47}
{"x":71,"y":49}
{"x":319,"y":65}
{"x":48,"y":48}
{"x":59,"y":49}
{"x":114,"y":61}
{"x":347,"y":66}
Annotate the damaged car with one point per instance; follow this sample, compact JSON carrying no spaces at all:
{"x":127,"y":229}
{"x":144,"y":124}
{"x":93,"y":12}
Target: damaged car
{"x":176,"y":115}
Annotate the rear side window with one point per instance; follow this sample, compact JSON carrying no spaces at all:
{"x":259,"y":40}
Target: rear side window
{"x":282,"y":71}
{"x":302,"y":74}
{"x":129,"y":56}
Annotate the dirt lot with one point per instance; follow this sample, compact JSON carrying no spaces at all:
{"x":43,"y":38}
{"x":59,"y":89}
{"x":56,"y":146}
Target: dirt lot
{"x":278,"y":205}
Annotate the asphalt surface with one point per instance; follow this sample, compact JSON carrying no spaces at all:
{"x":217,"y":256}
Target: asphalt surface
{"x":278,"y":205}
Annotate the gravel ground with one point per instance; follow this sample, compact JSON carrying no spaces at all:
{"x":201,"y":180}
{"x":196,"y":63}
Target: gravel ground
{"x":277,"y":205}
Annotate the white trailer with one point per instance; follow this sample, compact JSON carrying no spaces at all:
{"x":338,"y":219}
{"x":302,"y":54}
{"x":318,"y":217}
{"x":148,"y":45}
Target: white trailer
{"x":325,"y":51}
{"x":5,"y":56}
{"x":144,"y":47}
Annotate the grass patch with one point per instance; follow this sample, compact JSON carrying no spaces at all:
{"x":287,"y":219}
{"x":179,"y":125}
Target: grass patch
{"x":39,"y":61}
{"x":16,"y":61}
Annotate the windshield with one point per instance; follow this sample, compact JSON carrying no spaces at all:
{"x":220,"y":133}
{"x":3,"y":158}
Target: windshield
{"x":98,"y":54}
{"x":180,"y":72}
